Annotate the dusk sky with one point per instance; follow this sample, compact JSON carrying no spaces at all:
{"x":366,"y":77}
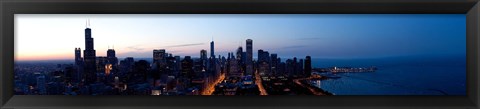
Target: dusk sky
{"x":55,"y":36}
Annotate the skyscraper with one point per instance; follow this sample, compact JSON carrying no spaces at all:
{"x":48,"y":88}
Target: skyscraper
{"x":308,"y":66}
{"x":259,"y":55}
{"x":300,"y":70}
{"x":249,"y":61}
{"x":263,"y":56}
{"x":203,"y":58}
{"x":263,"y":62}
{"x":187,"y":67}
{"x":294,"y":65}
{"x":110,"y":53}
{"x":274,"y":63}
{"x":112,"y":59}
{"x":203,"y":54}
{"x":212,"y":49}
{"x":77,"y":77}
{"x":159,"y":56}
{"x":101,"y":62}
{"x":89,"y":58}
{"x":239,"y":53}
{"x":78,"y":56}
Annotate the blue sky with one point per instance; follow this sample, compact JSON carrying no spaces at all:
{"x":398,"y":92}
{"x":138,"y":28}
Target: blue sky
{"x":54,"y":36}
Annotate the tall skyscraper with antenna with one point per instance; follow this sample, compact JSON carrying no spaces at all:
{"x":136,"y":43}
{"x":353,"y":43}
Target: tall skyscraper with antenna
{"x":212,"y":49}
{"x":89,"y":57}
{"x":112,"y":59}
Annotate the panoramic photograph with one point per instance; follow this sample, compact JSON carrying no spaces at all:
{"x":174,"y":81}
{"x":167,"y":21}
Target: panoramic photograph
{"x":240,"y":54}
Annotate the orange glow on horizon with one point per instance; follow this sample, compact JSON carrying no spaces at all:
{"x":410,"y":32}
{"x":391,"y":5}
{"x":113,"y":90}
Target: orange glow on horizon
{"x":44,"y":57}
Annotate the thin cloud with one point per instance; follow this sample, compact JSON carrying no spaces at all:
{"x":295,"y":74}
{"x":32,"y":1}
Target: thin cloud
{"x":135,"y":48}
{"x":185,"y":45}
{"x":135,"y":54}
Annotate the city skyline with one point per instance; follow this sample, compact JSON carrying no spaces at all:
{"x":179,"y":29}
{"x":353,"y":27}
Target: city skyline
{"x":273,"y":39}
{"x":254,"y":67}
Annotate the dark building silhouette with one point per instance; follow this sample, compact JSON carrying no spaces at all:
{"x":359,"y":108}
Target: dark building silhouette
{"x":249,"y":61}
{"x":126,"y":66}
{"x":239,"y":53}
{"x":203,"y":54}
{"x":300,"y":67}
{"x":101,"y":61}
{"x":159,"y":56}
{"x":112,"y":65}
{"x":295,"y":66}
{"x":289,"y":67}
{"x":263,"y":62}
{"x":212,"y":49}
{"x":77,"y":76}
{"x":274,"y":63}
{"x":159,"y":60}
{"x":244,"y":57}
{"x":78,"y":56}
{"x":187,"y":66}
{"x":112,"y":59}
{"x":171,"y":66}
{"x":308,"y":66}
{"x":178,"y":65}
{"x":140,"y":71}
{"x":263,"y":56}
{"x":203,"y":58}
{"x":89,"y":58}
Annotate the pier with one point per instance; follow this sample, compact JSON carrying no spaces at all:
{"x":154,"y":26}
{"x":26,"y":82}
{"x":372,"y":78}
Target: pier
{"x":346,"y":69}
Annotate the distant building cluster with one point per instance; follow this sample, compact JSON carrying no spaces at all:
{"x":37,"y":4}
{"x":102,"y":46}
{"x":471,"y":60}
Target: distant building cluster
{"x":168,"y":74}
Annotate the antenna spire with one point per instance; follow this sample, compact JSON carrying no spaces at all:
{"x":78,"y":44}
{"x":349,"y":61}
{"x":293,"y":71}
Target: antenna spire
{"x":88,"y":22}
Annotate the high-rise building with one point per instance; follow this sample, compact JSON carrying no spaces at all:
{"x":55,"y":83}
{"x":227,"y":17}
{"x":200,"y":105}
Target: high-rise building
{"x":111,"y":53}
{"x":78,"y":57}
{"x":259,"y":56}
{"x":112,"y":59}
{"x":187,"y":66}
{"x":274,"y":63}
{"x":212,"y":49}
{"x":203,"y":55}
{"x":294,"y":66}
{"x":90,"y":67}
{"x":101,"y":62}
{"x":140,"y":71}
{"x":159,"y":56}
{"x":300,"y":67}
{"x":239,"y":53}
{"x":244,"y":57}
{"x":263,"y":56}
{"x":289,"y":67}
{"x":249,"y":61}
{"x":171,"y":66}
{"x":233,"y":67}
{"x":263,"y":62}
{"x":77,"y":76}
{"x":178,"y":65}
{"x":308,"y":66}
{"x":126,"y":66}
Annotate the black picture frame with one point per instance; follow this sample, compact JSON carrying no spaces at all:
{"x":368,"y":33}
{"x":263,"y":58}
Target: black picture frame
{"x":9,"y":8}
